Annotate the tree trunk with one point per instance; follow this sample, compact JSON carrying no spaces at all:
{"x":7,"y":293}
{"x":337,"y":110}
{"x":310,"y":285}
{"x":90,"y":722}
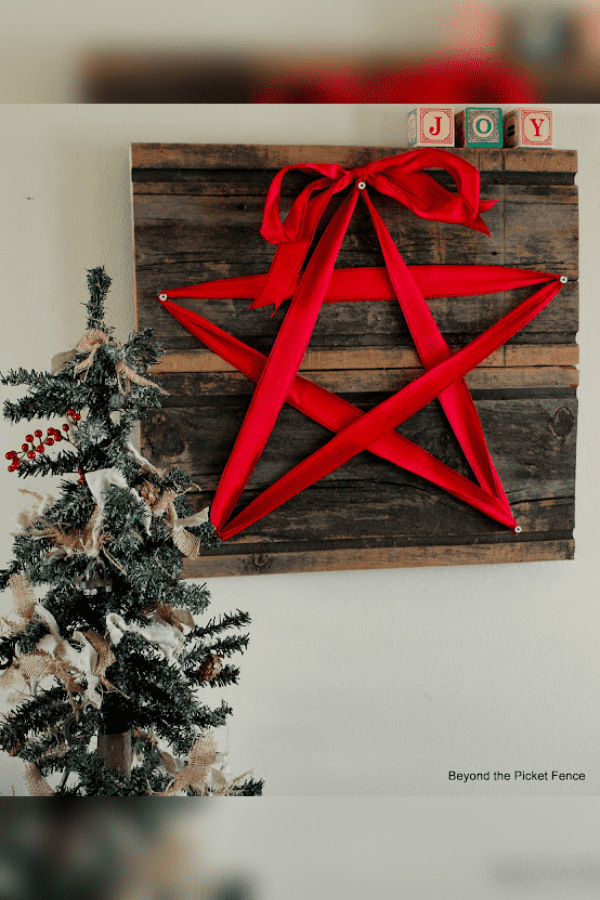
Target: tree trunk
{"x":116,"y":750}
{"x":114,"y":737}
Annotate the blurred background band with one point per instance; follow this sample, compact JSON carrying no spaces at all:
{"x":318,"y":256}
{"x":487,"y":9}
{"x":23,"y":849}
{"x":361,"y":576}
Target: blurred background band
{"x":299,"y":847}
{"x":357,"y":51}
{"x":107,"y":850}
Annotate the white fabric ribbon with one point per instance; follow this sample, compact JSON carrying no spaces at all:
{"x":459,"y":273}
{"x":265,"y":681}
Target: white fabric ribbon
{"x":143,"y":462}
{"x":27,"y":517}
{"x":161,"y":634}
{"x":83,"y":661}
{"x":98,"y":482}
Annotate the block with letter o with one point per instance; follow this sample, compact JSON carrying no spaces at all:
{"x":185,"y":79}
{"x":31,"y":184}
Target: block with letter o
{"x":479,"y":127}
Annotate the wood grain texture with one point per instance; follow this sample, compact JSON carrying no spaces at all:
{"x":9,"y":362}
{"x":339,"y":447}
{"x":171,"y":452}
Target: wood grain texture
{"x":265,"y":563}
{"x":257,"y":156}
{"x":546,"y":355}
{"x":197,"y":212}
{"x":185,"y":382}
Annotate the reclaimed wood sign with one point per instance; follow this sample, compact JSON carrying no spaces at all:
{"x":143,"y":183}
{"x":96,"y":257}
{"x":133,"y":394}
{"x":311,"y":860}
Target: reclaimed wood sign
{"x":197,"y":212}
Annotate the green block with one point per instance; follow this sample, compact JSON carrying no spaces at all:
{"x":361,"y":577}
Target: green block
{"x":479,"y":127}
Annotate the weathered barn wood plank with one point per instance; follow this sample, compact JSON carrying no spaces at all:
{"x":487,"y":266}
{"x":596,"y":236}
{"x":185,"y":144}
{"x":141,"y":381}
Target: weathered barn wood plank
{"x":409,"y":516}
{"x":197,"y":213}
{"x":246,"y":210}
{"x":257,"y":156}
{"x":262,"y":563}
{"x":469,"y":315}
{"x":531,"y":440}
{"x":541,"y":225}
{"x":241,"y":183}
{"x":186,"y":384}
{"x":374,"y":357}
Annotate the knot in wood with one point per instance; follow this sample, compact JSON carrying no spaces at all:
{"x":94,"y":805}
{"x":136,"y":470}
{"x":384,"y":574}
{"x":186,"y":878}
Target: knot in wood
{"x":562,"y":422}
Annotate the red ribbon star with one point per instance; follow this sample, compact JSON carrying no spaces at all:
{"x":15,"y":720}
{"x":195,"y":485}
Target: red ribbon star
{"x":403,"y":178}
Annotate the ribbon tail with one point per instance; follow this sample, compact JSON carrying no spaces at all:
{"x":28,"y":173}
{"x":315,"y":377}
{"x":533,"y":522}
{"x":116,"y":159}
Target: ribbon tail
{"x":283,"y":275}
{"x":290,"y":254}
{"x":477,"y":224}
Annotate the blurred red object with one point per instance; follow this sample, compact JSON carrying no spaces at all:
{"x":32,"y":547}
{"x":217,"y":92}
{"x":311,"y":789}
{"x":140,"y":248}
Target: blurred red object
{"x":459,"y":78}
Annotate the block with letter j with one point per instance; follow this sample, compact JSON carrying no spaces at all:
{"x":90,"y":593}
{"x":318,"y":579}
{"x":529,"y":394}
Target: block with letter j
{"x":431,"y":126}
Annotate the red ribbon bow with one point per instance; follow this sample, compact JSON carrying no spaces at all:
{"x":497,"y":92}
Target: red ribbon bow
{"x":403,"y":178}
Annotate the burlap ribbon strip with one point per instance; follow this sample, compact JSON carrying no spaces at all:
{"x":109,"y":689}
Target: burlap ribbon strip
{"x":24,"y":598}
{"x":36,"y":783}
{"x":183,"y":539}
{"x":90,"y":343}
{"x":201,"y":772}
{"x":162,"y":504}
{"x":55,"y":656}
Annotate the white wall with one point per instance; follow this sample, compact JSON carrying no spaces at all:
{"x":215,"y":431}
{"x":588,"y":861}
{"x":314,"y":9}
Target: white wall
{"x":354,"y":683}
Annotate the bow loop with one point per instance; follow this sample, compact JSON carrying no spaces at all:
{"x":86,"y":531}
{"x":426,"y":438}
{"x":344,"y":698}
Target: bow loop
{"x":405,"y":178}
{"x":308,"y":207}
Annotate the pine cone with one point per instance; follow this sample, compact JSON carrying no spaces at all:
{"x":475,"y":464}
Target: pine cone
{"x":150,"y":493}
{"x":210,"y":668}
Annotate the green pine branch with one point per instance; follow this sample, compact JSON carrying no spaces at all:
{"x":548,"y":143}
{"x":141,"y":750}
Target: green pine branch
{"x":229,"y":645}
{"x":250,"y":787}
{"x":228,"y":675}
{"x":223,"y":623}
{"x":98,"y":283}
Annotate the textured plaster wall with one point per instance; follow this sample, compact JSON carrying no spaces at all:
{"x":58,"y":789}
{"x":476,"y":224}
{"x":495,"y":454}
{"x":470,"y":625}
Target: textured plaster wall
{"x":360,"y":682}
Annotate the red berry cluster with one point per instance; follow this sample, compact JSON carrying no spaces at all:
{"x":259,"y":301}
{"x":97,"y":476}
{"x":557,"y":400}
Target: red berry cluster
{"x":35,"y":444}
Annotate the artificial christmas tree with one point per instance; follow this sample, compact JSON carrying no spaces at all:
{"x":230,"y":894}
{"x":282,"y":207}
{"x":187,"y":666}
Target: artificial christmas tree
{"x":106,"y":668}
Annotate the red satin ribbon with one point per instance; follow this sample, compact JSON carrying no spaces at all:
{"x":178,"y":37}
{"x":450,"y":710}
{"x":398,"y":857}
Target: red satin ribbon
{"x":277,"y":376}
{"x":401,"y":177}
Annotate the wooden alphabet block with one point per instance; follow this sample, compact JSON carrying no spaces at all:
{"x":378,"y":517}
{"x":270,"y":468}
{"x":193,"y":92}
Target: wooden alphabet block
{"x":431,"y":126}
{"x":479,"y":127}
{"x":528,"y":127}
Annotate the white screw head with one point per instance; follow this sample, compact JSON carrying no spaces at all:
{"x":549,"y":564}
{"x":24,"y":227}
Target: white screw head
{"x":517,"y":529}
{"x":361,"y":185}
{"x":162,"y":297}
{"x":563,"y":279}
